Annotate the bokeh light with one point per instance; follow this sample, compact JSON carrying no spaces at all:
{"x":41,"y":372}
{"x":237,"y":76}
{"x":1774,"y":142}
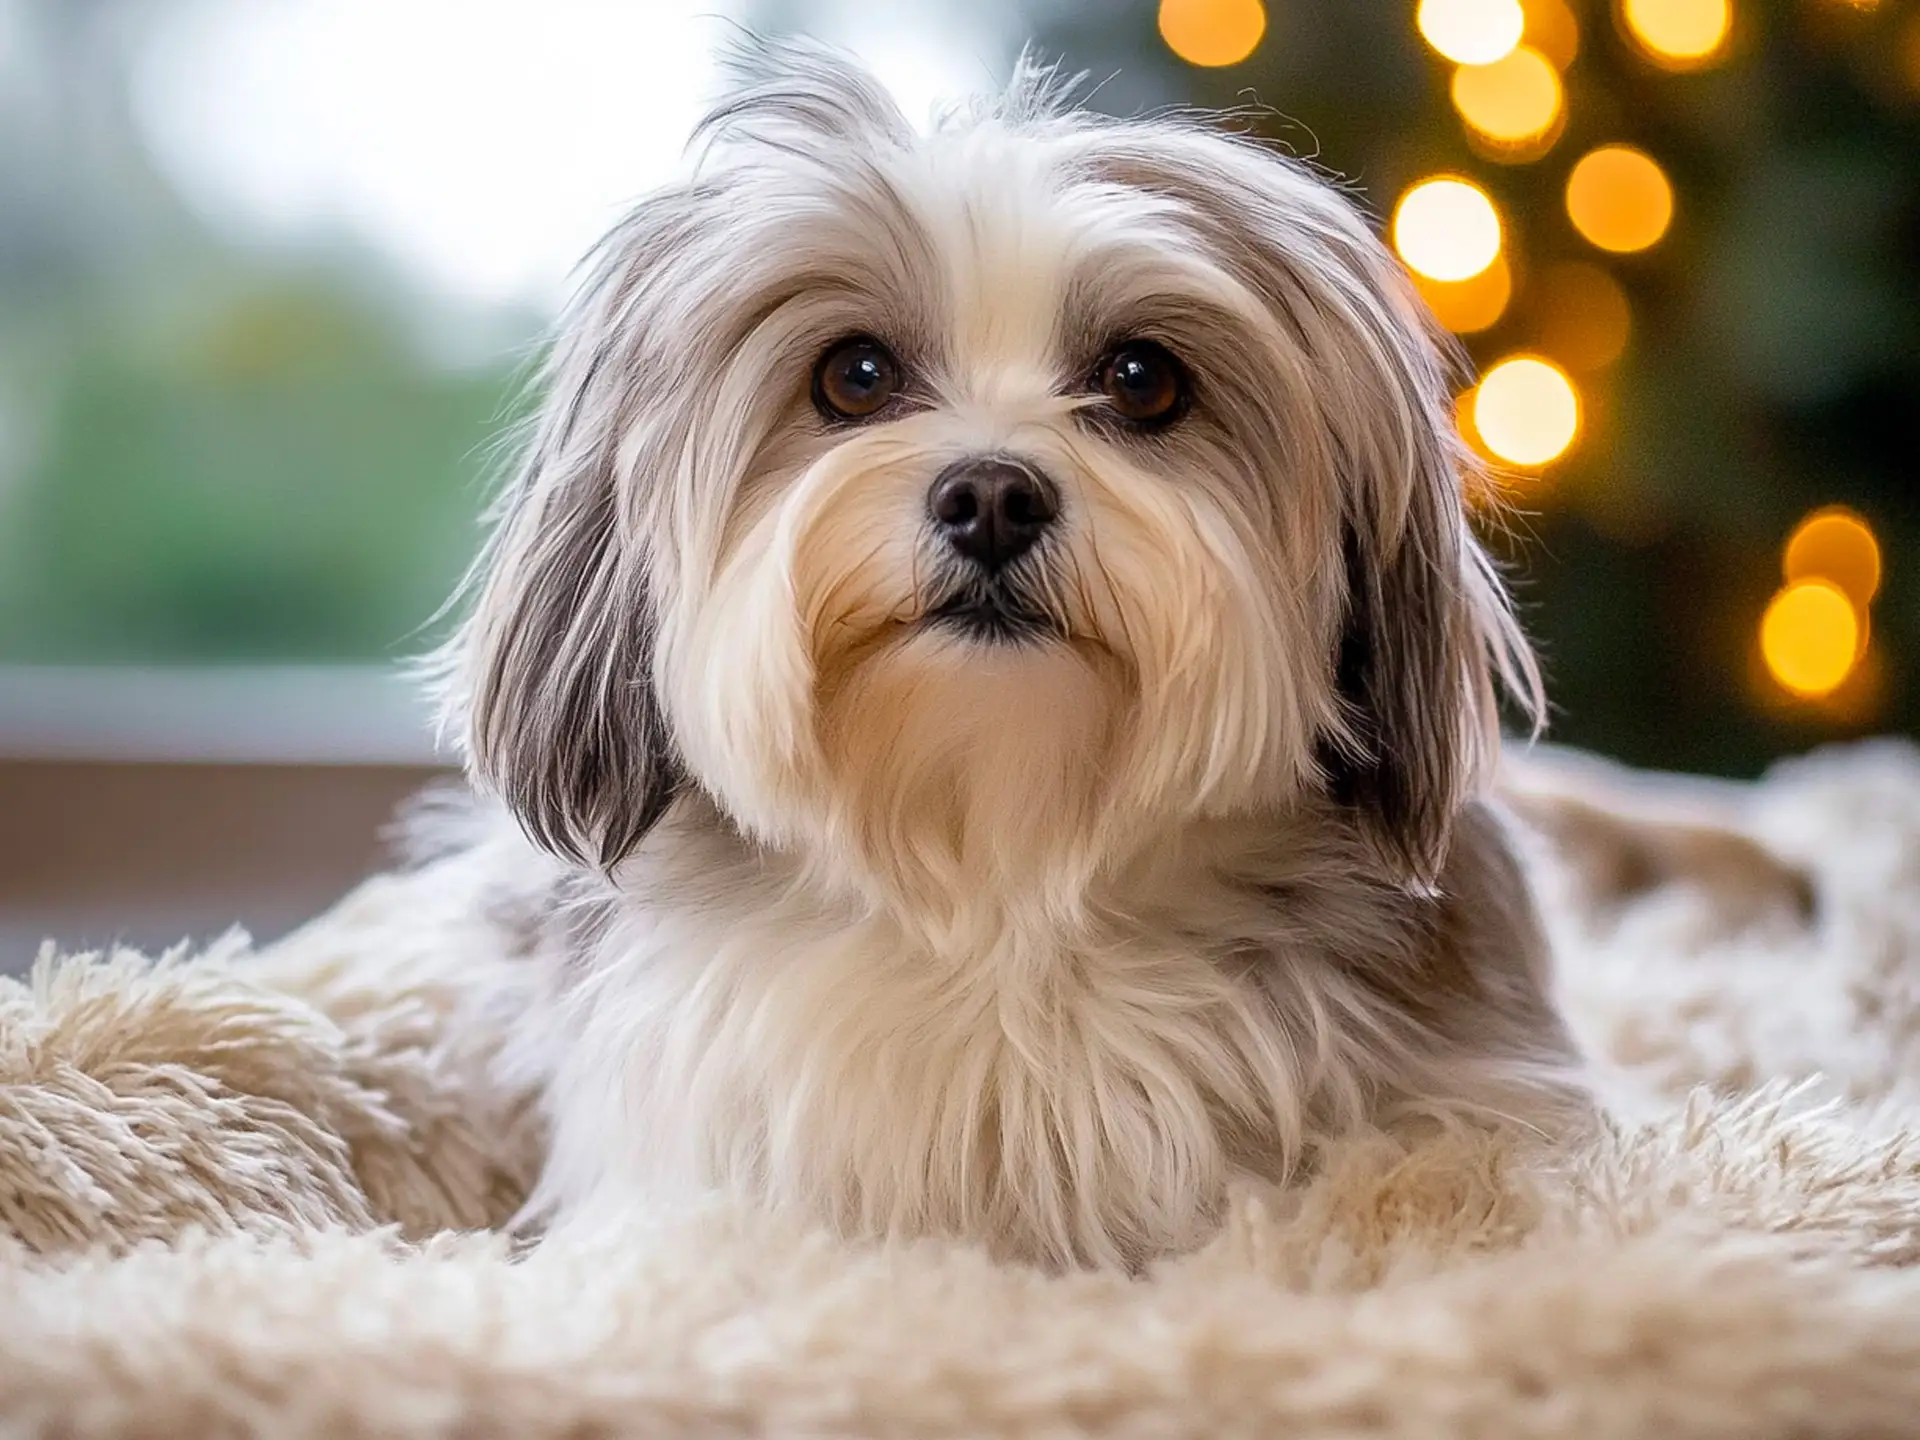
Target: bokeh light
{"x":1526,"y":411}
{"x":1471,"y":305}
{"x":1810,"y":638}
{"x":1620,"y":198}
{"x":1471,"y":32}
{"x":1835,"y":545}
{"x":1553,"y":30}
{"x":1512,"y":102}
{"x":1446,"y":228}
{"x":1212,"y":32}
{"x":1678,"y":34}
{"x":1582,"y":315}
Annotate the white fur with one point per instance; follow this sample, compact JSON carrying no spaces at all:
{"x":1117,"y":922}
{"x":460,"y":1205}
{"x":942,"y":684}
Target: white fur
{"x":1041,"y":943}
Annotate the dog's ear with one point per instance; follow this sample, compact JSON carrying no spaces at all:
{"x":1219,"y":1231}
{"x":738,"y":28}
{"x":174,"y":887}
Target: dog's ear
{"x":1426,"y":627}
{"x":549,"y":681}
{"x":1428,"y":637}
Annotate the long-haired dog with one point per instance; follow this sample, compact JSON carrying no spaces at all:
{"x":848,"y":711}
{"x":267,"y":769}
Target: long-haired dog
{"x":987,"y":646}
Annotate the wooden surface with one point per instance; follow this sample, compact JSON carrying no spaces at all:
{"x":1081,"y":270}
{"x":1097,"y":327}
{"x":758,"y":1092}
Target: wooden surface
{"x":151,"y":853}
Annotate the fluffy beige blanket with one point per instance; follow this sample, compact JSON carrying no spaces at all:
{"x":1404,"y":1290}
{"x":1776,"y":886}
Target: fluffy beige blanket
{"x":225,"y":1176}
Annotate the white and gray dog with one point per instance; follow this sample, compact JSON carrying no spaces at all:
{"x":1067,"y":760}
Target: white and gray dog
{"x":988,"y":659}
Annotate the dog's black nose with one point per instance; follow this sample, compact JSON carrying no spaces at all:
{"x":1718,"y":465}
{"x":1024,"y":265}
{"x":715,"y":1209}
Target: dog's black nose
{"x":991,"y":511}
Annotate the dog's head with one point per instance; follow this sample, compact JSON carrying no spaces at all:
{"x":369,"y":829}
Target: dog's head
{"x":972,"y":507}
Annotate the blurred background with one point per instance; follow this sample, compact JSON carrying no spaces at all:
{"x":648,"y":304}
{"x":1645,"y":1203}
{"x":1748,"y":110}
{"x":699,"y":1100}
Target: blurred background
{"x":269,"y":274}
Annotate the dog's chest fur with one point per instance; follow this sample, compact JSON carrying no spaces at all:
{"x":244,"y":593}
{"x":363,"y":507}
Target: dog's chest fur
{"x":1072,"y":1090}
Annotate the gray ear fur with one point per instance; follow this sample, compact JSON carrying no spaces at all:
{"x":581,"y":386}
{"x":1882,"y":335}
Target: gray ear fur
{"x":549,"y":683}
{"x":562,"y":719}
{"x":1412,"y":674}
{"x":1429,"y":637}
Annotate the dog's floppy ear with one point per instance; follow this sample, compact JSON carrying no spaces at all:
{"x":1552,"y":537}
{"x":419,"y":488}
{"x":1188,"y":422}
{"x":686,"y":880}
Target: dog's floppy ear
{"x":1428,"y":636}
{"x":1426,"y":627}
{"x":549,"y":681}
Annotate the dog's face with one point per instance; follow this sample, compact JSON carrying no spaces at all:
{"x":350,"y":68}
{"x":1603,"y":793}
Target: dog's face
{"x":969,"y":510}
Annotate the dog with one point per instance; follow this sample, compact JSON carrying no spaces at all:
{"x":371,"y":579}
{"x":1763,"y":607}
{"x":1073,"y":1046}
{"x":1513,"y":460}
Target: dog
{"x":989,"y":688}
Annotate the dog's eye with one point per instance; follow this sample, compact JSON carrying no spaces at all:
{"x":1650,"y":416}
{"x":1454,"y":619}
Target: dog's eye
{"x":1144,"y":382}
{"x":854,"y":379}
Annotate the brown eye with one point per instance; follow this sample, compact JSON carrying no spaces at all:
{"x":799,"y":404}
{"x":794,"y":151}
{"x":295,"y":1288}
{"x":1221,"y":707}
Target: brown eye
{"x":854,"y":379}
{"x":1144,"y":382}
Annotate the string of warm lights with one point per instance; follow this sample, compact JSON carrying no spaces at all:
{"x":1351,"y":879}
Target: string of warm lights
{"x":1511,"y":99}
{"x":1507,"y":86}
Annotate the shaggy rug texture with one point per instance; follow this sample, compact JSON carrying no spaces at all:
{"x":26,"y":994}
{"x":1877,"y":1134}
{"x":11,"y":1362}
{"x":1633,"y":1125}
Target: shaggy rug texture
{"x":249,"y":1193}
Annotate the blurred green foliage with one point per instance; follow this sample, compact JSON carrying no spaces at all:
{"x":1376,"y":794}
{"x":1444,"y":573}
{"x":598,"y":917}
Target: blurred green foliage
{"x":275,"y":474}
